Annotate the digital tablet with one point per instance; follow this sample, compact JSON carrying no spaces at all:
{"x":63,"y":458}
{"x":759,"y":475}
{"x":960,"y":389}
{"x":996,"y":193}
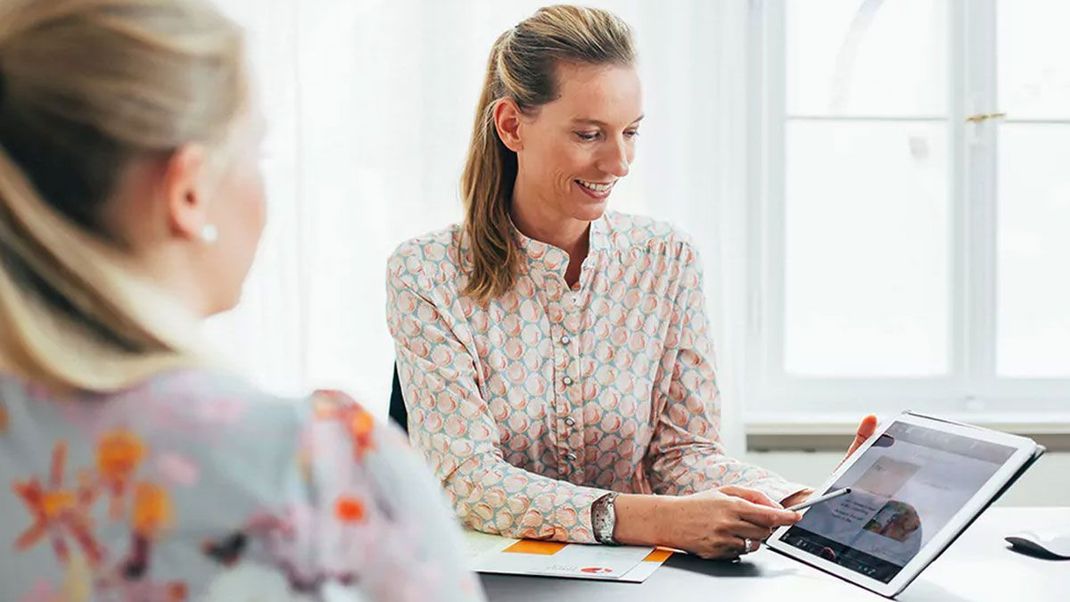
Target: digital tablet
{"x":915,"y":486}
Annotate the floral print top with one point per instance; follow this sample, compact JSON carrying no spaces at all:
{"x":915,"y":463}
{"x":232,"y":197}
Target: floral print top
{"x":531,"y":408}
{"x":194,"y":486}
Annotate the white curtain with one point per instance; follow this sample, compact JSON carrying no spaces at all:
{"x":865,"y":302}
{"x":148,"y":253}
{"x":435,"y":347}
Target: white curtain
{"x":370,"y":105}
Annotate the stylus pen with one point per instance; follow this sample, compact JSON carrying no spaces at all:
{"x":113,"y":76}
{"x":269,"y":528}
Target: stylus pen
{"x":819,"y":499}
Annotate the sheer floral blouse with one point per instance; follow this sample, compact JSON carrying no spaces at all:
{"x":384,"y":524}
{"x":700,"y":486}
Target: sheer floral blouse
{"x":194,"y":486}
{"x":531,"y":408}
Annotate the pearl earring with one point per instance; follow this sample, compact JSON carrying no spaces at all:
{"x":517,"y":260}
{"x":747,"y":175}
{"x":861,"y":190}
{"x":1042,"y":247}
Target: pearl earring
{"x":209,"y":234}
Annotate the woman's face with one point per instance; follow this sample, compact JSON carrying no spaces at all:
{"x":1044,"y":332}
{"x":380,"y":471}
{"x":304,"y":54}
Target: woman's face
{"x":238,"y":212}
{"x":574,"y":149}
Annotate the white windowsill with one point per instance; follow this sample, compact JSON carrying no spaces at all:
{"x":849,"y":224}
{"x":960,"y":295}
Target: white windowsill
{"x":832,"y":432}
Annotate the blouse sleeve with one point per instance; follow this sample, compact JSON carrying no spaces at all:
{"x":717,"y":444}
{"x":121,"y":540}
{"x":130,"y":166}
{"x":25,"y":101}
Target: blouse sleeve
{"x":451,"y":423}
{"x":377,"y":518}
{"x":686,"y":455}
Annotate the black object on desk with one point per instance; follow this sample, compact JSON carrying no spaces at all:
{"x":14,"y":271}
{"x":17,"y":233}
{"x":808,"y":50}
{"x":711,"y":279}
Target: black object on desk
{"x":1033,"y":543}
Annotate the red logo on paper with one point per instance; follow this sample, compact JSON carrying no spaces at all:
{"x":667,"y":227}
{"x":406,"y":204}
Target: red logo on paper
{"x":596,"y":570}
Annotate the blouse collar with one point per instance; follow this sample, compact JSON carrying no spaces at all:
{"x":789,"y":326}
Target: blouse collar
{"x":541,"y":255}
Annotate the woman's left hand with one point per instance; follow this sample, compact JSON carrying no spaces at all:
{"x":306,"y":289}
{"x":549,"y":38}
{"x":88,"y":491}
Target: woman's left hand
{"x":866,"y":428}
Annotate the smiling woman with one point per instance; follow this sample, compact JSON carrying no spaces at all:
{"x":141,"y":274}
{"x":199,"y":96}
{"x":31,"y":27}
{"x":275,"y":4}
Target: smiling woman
{"x":570,"y":159}
{"x":554,"y":356}
{"x":528,"y":67}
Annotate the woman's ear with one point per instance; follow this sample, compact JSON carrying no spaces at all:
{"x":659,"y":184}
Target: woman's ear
{"x":507,"y":121}
{"x":183,"y":191}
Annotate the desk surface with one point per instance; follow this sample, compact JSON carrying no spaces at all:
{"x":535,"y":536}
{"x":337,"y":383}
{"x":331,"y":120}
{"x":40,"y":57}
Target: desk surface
{"x":978,"y":567}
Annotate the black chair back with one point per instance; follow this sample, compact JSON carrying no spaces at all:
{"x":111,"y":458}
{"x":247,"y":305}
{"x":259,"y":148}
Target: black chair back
{"x":397,"y":403}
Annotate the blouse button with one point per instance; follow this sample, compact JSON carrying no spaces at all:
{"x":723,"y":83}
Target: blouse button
{"x":570,"y":421}
{"x":567,"y":380}
{"x":575,"y":299}
{"x":565,"y":340}
{"x":571,"y":457}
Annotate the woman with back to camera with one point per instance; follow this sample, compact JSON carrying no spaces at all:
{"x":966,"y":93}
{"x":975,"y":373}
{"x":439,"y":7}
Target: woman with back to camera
{"x":131,"y":468}
{"x":554,"y":356}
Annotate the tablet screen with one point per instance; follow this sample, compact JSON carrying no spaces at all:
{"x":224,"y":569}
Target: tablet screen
{"x":904,"y":489}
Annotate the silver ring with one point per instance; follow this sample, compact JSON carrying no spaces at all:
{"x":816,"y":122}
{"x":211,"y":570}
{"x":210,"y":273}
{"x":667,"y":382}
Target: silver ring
{"x":747,"y":543}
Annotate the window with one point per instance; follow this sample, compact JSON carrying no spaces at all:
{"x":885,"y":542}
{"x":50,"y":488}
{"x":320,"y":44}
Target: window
{"x":912,"y":209}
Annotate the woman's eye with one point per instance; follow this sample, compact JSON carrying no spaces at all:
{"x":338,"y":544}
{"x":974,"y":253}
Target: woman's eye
{"x":632,"y":133}
{"x":587,"y":136}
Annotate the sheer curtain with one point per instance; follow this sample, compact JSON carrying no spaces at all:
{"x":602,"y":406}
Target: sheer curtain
{"x":370,"y":105}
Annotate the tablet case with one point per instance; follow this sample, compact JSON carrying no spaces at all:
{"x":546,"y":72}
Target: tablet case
{"x":1036,"y":456}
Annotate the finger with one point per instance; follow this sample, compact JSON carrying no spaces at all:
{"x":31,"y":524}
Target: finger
{"x":744,"y":545}
{"x":728,"y":549}
{"x":766,"y":517}
{"x":751,"y":495}
{"x":769,"y":523}
{"x":866,"y":428}
{"x":749,"y":530}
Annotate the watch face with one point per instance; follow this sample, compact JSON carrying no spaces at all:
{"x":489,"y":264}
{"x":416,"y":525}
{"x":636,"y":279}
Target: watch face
{"x":604,"y":518}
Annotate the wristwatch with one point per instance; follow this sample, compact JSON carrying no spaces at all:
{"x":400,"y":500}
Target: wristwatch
{"x":604,"y":518}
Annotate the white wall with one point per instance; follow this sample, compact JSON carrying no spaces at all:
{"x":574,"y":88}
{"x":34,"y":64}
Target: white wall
{"x":1046,"y":484}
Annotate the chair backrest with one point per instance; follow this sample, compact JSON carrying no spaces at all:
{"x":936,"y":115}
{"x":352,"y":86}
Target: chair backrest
{"x":397,"y":403}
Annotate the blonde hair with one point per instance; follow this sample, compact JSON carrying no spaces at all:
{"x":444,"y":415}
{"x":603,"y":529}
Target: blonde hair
{"x":522,"y":67}
{"x":87,"y":86}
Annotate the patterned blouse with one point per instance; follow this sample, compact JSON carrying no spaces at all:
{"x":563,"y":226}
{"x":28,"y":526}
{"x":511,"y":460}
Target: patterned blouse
{"x":533,"y":407}
{"x":194,"y":486}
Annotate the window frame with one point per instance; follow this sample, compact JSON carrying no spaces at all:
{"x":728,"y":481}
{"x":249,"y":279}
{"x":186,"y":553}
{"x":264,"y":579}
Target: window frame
{"x":971,"y":389}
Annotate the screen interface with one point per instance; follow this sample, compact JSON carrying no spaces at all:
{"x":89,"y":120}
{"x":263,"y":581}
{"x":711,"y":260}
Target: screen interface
{"x":904,"y":489}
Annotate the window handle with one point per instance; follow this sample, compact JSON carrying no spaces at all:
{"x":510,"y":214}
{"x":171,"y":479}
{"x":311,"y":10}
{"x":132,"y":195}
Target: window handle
{"x":982,"y":117}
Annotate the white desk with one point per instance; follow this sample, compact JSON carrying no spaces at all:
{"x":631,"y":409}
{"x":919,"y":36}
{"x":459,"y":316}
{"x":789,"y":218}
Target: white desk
{"x":978,"y":567}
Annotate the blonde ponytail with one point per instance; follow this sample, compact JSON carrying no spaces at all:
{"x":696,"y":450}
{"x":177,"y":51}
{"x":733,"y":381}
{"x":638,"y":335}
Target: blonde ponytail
{"x":110,"y":330}
{"x":85,"y":87}
{"x":486,"y":187}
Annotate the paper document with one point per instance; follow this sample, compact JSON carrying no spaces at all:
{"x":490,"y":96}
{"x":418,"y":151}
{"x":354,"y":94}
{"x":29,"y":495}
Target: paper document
{"x":504,"y":555}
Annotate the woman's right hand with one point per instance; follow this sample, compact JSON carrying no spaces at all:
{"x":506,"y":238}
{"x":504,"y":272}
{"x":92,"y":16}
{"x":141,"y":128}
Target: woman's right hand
{"x":709,"y":524}
{"x":717,"y":523}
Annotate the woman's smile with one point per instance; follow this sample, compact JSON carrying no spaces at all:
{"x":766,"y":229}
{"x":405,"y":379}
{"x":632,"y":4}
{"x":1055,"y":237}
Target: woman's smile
{"x":596,"y":190}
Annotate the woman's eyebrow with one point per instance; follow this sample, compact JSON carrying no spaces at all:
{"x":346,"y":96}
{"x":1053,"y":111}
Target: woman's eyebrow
{"x":599,"y":123}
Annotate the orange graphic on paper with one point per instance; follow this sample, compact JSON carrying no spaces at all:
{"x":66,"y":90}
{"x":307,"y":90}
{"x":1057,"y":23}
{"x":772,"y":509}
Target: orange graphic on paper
{"x":119,"y":453}
{"x":531,"y":546}
{"x":658,"y":555}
